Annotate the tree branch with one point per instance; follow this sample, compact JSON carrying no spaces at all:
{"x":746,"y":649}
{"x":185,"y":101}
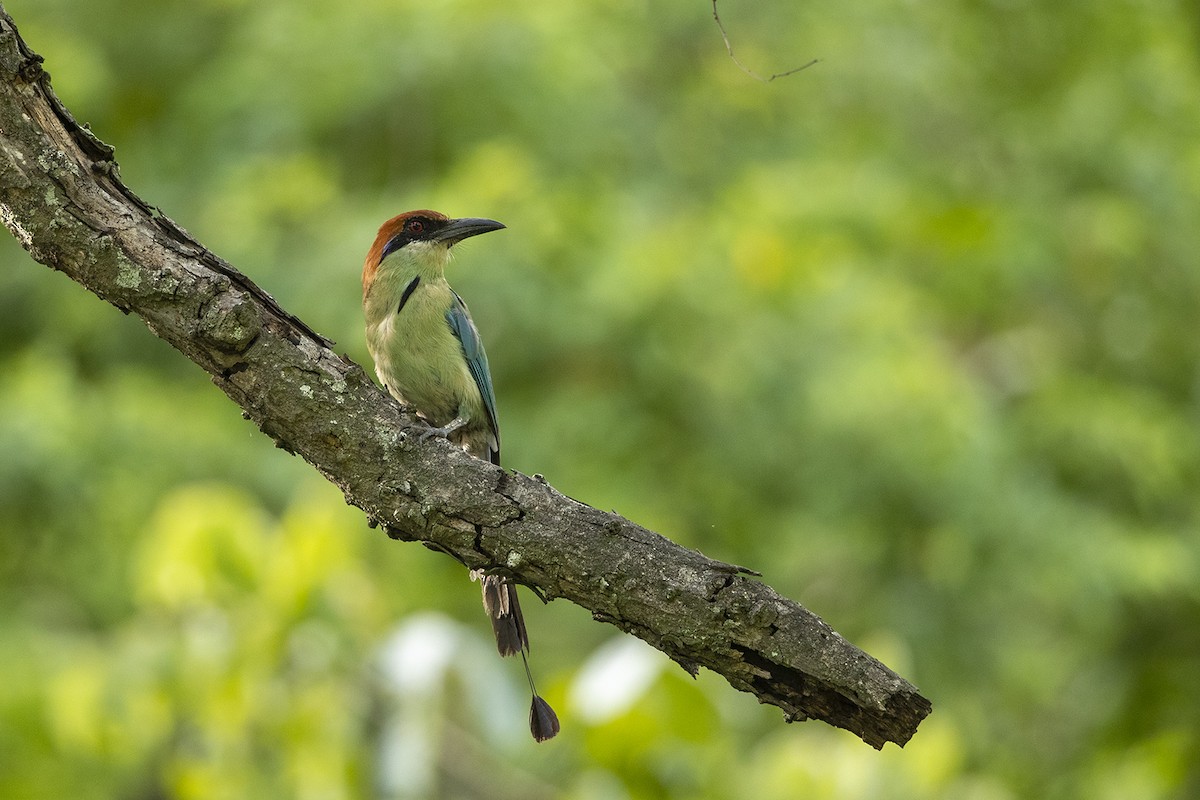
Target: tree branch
{"x":62,"y":197}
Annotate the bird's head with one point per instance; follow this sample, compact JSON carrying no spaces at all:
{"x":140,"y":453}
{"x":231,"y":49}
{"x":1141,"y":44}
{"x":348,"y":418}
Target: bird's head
{"x":423,"y":237}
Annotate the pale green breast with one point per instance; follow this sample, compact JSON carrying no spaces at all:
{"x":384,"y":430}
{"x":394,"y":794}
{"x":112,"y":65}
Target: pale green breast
{"x":416,"y":354}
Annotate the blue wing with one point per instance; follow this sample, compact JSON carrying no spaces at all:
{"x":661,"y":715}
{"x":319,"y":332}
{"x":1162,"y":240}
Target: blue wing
{"x":464,"y":330}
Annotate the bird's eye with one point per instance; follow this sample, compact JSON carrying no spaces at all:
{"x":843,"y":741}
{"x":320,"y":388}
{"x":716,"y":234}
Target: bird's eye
{"x":416,"y":226}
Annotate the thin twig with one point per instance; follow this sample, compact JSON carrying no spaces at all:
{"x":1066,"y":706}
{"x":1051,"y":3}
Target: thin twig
{"x":743,"y":67}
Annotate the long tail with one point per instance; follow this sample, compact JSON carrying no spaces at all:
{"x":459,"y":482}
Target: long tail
{"x":502,"y":606}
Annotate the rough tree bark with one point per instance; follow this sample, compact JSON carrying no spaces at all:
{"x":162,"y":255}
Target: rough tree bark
{"x":61,"y":196}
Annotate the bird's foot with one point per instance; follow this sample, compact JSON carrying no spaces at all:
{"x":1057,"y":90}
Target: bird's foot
{"x":444,"y":431}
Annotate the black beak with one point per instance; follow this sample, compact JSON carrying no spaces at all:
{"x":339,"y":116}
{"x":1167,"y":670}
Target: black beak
{"x":456,"y":230}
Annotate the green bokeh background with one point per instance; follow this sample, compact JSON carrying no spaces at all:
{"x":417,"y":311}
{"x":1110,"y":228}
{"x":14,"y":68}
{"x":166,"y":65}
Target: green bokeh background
{"x":913,"y":332}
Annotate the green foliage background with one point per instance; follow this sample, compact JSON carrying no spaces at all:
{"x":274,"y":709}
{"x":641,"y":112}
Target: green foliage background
{"x":912,"y":331}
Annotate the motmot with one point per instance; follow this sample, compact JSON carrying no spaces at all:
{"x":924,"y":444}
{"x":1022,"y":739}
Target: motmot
{"x":429,"y":356}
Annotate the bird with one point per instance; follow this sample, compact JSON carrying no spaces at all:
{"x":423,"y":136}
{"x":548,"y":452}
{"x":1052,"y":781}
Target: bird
{"x":430,"y":357}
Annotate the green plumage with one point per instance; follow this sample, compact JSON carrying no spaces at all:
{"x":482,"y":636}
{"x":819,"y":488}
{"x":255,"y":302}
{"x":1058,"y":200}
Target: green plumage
{"x":428,"y":353}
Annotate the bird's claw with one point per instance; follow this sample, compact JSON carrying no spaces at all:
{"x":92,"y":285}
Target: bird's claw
{"x":430,"y":433}
{"x":442,"y":432}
